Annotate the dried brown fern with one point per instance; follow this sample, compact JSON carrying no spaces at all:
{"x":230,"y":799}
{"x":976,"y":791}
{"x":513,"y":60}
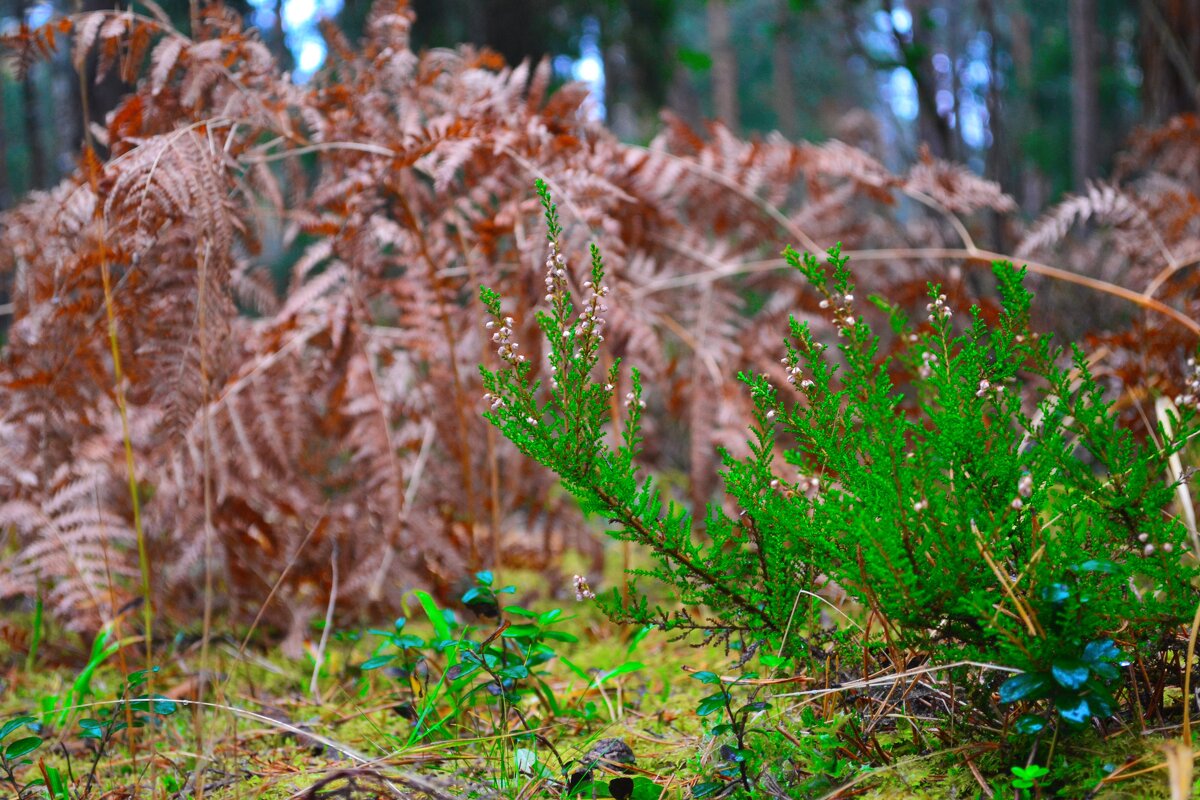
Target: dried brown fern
{"x":339,"y":413}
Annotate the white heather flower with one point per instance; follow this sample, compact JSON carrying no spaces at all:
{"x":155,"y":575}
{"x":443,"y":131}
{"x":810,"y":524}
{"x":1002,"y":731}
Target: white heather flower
{"x":771,"y":414}
{"x":582,"y":590}
{"x":1148,"y":549}
{"x":1142,"y":537}
{"x":920,"y":505}
{"x":1025,"y":486}
{"x":1017,"y":503}
{"x":1168,"y":547}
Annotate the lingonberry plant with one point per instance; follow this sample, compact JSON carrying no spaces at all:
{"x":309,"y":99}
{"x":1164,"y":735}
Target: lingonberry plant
{"x":974,"y":497}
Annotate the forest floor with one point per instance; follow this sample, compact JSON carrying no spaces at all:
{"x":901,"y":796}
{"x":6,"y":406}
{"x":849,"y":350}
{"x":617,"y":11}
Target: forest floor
{"x":357,"y":727}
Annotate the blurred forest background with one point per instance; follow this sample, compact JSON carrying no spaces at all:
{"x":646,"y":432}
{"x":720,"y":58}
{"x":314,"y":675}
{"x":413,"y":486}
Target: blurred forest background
{"x":1005,"y":86}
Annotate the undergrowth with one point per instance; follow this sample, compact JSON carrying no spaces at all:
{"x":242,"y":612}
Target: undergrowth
{"x":238,"y":384}
{"x":971,"y":506}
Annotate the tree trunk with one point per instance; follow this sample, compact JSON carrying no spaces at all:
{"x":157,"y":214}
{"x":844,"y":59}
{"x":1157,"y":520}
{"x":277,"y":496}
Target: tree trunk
{"x":1085,"y":116}
{"x":724,"y":64}
{"x":783,"y":96}
{"x":29,"y":112}
{"x":5,"y":179}
{"x":1170,"y":57}
{"x":918,"y":49}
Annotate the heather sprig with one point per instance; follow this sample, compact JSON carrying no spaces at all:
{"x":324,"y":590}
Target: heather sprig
{"x":989,"y":506}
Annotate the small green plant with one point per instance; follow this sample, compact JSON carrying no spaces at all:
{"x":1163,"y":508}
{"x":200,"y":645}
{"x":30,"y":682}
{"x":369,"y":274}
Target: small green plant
{"x":740,"y":760}
{"x":132,"y":709}
{"x":14,"y":754}
{"x":498,"y":666}
{"x":822,"y":758}
{"x":951,"y":489}
{"x":1026,"y":780}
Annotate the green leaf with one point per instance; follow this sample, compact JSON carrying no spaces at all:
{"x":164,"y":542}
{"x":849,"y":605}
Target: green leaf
{"x":707,"y":788}
{"x":408,"y":641}
{"x":441,"y":627}
{"x":525,"y":760}
{"x":57,"y":785}
{"x":22,"y":747}
{"x":1026,"y":686}
{"x":1095,"y":565}
{"x":377,"y":662}
{"x":1075,"y":710}
{"x":1056,"y":592}
{"x":707,"y":677}
{"x":1070,"y":674}
{"x":714,"y":702}
{"x":560,"y":636}
{"x":1101,"y":650}
{"x":520,"y":631}
{"x":516,"y":672}
{"x":637,"y":638}
{"x":485,"y":577}
{"x":13,"y":724}
{"x":616,"y":672}
{"x":549,"y":616}
{"x":164,"y":706}
{"x":1029,"y":724}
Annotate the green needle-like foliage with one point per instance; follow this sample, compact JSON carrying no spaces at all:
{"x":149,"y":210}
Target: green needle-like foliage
{"x":989,"y":508}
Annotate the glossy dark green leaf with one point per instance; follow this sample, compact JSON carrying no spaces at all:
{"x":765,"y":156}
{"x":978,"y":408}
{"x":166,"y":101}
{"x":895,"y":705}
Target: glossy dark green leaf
{"x":708,"y":705}
{"x":13,"y":724}
{"x":707,"y":677}
{"x":1075,"y":711}
{"x":1101,"y":650}
{"x":1029,"y":724}
{"x":164,"y":706}
{"x":549,"y":616}
{"x":1026,"y":686}
{"x":22,"y":747}
{"x":1056,"y":592}
{"x":1070,"y":673}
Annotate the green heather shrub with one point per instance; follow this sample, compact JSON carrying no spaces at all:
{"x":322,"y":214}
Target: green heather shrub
{"x":976,"y":498}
